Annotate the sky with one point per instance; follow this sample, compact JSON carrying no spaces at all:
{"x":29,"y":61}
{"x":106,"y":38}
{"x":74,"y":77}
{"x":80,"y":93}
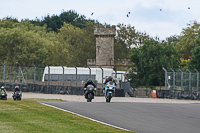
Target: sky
{"x":161,"y":18}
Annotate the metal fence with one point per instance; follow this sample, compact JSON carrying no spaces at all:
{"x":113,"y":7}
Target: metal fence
{"x":186,"y":83}
{"x":34,"y":75}
{"x":33,"y":79}
{"x":14,"y":74}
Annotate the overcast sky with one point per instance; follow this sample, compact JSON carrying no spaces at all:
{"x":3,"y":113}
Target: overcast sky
{"x":161,"y":18}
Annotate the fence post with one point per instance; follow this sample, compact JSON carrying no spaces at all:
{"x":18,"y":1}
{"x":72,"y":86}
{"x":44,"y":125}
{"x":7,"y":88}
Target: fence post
{"x":48,"y":74}
{"x":189,"y":79}
{"x":197,"y":81}
{"x":115,"y":69}
{"x":34,"y":73}
{"x":173,"y":79}
{"x":76,"y":75}
{"x":63,"y":74}
{"x":4,"y":72}
{"x":181,"y":80}
{"x":165,"y":78}
{"x":89,"y":71}
{"x":18,"y":72}
{"x":102,"y":76}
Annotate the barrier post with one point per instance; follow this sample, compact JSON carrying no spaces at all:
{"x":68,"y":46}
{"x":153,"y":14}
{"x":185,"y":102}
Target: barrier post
{"x":63,"y":74}
{"x":189,"y":79}
{"x":173,"y":79}
{"x":76,"y":75}
{"x":181,"y":80}
{"x":197,"y":81}
{"x":166,"y":80}
{"x":34,"y":81}
{"x":89,"y":71}
{"x":102,"y":76}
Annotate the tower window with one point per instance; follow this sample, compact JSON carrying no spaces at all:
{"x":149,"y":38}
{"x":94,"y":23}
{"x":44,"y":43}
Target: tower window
{"x":98,"y":47}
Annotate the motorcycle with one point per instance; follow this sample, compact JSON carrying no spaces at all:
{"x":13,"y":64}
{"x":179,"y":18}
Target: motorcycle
{"x":3,"y":95}
{"x":89,"y":93}
{"x":17,"y":95}
{"x":109,"y":90}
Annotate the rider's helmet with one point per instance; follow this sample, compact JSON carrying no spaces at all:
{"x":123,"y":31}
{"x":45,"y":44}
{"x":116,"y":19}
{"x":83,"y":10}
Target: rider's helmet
{"x":16,"y":88}
{"x":89,"y":80}
{"x":110,"y":78}
{"x":2,"y":88}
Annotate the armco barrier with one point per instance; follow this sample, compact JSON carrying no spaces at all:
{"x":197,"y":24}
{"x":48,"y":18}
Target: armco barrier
{"x":163,"y":93}
{"x":177,"y":94}
{"x":119,"y":93}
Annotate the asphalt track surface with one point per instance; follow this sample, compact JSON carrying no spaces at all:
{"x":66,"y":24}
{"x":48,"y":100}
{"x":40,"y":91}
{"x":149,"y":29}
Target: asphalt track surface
{"x":140,"y":117}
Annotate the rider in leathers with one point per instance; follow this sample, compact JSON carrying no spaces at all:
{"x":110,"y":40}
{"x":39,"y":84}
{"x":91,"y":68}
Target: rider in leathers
{"x":89,"y":82}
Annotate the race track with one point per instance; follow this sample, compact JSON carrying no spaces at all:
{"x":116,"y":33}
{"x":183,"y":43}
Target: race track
{"x":140,"y":117}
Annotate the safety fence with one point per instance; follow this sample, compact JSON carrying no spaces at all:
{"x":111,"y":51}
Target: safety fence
{"x":42,"y":80}
{"x":181,"y":84}
{"x":34,"y":75}
{"x":56,"y":75}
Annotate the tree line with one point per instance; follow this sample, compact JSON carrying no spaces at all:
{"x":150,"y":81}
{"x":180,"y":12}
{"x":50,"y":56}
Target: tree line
{"x":67,"y":39}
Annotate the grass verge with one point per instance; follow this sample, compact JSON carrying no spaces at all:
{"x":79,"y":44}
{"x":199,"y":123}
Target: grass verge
{"x":29,"y":116}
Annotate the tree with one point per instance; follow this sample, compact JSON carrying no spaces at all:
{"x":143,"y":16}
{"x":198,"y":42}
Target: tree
{"x":172,"y":40}
{"x":194,"y":62}
{"x":127,"y":37}
{"x":20,"y":46}
{"x":149,"y":60}
{"x":23,"y":44}
{"x":71,"y":17}
{"x":54,"y":22}
{"x":80,"y":43}
{"x":27,"y":43}
{"x":58,"y":50}
{"x":8,"y":22}
{"x":120,"y":50}
{"x":187,"y":39}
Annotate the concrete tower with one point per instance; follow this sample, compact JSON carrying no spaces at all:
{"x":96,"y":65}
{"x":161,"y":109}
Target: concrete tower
{"x":104,"y":47}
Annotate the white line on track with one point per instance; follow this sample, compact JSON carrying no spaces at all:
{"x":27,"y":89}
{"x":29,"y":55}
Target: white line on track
{"x":85,"y":117}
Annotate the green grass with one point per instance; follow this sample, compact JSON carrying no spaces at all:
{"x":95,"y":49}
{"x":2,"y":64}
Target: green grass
{"x":29,"y":116}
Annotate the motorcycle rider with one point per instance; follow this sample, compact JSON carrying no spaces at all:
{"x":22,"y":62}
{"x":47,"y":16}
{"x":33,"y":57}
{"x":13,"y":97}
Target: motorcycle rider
{"x":2,"y":89}
{"x":16,"y":94}
{"x":109,"y":78}
{"x":16,"y":89}
{"x":89,"y":82}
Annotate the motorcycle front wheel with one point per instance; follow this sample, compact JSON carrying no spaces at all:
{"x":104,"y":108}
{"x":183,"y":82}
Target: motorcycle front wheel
{"x":89,"y":97}
{"x":108,"y":98}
